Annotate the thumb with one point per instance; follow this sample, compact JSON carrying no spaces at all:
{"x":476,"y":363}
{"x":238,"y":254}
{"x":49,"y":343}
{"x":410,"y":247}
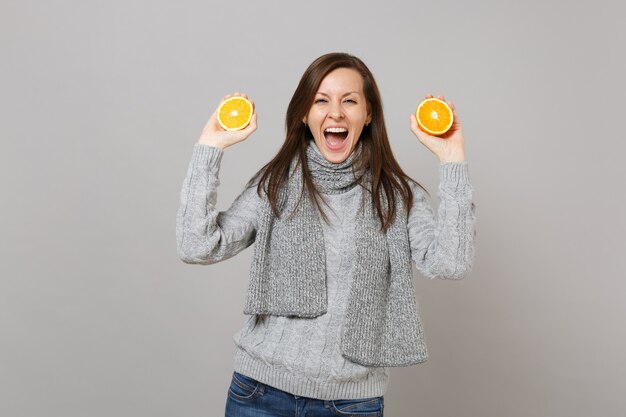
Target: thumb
{"x":423,"y":137}
{"x":415,"y":128}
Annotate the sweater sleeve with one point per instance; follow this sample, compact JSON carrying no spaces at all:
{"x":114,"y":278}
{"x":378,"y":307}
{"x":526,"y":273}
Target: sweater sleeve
{"x":444,"y":248}
{"x":205,"y":235}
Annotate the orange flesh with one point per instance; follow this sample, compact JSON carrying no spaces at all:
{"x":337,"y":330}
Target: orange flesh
{"x":235,"y":114}
{"x":434,"y":117}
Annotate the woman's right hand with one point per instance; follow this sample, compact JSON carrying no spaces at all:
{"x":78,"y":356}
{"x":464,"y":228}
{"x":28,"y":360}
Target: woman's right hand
{"x":214,"y":135}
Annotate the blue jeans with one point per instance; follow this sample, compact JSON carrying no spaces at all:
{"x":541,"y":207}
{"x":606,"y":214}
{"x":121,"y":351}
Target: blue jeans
{"x":248,"y":397}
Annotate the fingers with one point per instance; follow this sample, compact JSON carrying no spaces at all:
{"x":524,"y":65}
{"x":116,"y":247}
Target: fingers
{"x":251,"y":101}
{"x":241,"y":135}
{"x":237,"y":93}
{"x":450,"y":103}
{"x":252,"y":125}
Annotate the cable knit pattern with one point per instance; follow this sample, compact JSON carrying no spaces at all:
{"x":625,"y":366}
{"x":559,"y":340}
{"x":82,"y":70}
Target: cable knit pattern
{"x":303,"y":355}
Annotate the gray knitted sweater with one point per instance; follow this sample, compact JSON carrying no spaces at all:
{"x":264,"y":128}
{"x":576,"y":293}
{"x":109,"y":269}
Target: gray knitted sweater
{"x":302,"y":355}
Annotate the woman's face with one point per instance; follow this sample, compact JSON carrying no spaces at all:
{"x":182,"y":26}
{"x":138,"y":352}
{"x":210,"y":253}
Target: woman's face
{"x":338,"y":114}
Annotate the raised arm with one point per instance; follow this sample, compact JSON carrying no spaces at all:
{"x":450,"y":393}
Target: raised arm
{"x":205,"y":235}
{"x":444,"y":247}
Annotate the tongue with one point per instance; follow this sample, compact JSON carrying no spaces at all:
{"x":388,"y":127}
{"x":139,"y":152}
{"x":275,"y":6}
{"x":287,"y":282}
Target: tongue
{"x":336,"y":139}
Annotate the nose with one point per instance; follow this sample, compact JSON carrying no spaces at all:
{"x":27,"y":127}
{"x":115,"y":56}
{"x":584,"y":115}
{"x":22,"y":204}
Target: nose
{"x":336,"y":111}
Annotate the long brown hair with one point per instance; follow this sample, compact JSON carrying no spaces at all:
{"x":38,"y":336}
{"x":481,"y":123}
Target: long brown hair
{"x":374,"y":154}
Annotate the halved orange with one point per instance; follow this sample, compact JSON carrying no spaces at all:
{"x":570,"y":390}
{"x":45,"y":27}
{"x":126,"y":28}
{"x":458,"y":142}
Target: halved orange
{"x":235,"y":113}
{"x":434,"y":116}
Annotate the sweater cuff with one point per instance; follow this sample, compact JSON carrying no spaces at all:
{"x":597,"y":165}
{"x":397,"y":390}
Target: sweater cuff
{"x":454,"y":175}
{"x":207,"y":156}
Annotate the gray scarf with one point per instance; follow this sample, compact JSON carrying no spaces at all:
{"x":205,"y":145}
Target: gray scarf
{"x":288,"y":272}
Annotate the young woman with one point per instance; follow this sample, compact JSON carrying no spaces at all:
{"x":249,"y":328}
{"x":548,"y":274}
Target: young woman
{"x":336,"y":225}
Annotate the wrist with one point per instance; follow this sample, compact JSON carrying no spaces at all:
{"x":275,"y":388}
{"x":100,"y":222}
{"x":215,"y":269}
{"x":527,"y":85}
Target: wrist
{"x":211,"y":142}
{"x":454,"y":158}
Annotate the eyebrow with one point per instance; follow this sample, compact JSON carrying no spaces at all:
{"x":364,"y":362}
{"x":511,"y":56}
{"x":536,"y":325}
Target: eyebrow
{"x":347,"y":94}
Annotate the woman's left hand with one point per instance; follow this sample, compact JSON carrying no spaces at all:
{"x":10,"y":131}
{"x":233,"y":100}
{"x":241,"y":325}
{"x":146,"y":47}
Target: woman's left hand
{"x":449,"y":147}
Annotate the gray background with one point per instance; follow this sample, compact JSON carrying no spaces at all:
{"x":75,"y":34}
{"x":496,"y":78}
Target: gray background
{"x":103,"y":101}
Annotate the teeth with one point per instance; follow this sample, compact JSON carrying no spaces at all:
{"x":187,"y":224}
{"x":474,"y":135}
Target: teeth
{"x":336,"y":129}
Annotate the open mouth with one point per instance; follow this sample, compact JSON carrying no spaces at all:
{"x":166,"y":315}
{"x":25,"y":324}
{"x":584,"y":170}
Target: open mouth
{"x":335,"y":137}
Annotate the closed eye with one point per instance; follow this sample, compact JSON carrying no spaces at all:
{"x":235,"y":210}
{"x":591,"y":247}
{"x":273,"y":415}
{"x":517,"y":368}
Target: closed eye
{"x":321,"y":100}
